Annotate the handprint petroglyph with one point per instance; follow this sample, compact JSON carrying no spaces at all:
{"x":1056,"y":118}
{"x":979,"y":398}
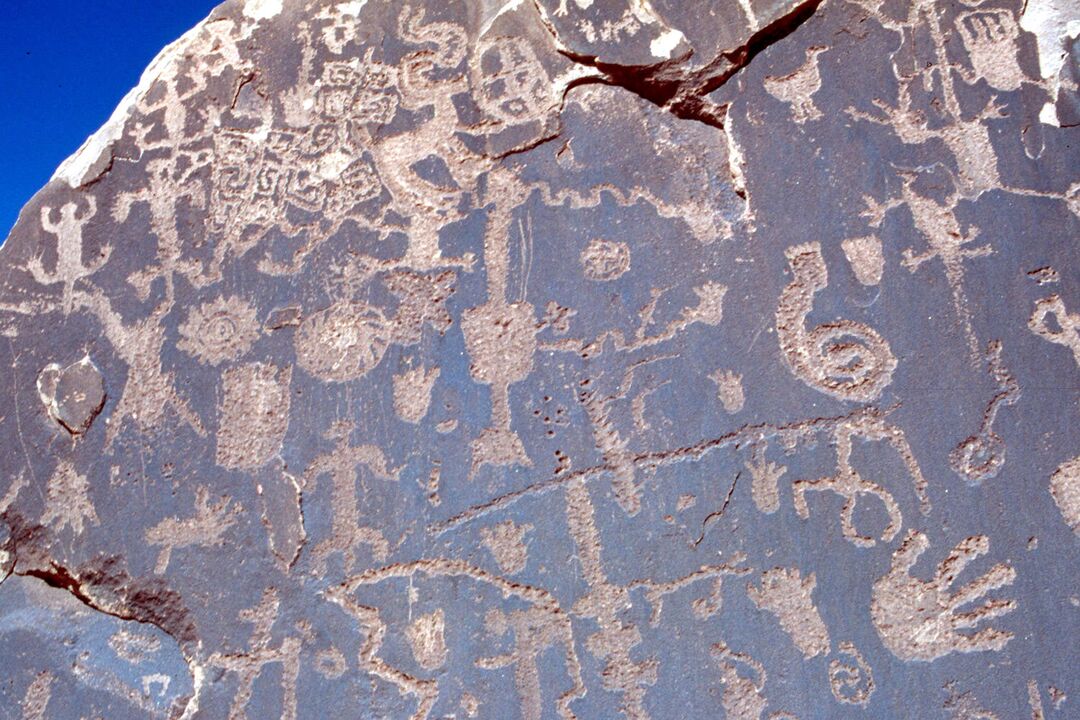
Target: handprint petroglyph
{"x":923,"y":620}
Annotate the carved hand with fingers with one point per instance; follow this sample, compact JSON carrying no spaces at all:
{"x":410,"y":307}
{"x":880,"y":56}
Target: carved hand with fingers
{"x":921,"y":619}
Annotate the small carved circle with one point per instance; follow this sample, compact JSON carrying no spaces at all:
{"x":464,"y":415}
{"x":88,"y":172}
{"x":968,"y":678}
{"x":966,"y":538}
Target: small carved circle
{"x":605,"y":260}
{"x":220,"y":330}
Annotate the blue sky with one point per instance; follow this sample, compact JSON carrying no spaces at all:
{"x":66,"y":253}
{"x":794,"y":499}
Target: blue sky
{"x":64,"y":66}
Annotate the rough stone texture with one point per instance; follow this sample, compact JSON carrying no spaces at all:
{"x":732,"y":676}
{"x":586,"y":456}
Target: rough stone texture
{"x":555,"y":359}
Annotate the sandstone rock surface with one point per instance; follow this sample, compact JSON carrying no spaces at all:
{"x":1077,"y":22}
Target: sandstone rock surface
{"x":555,"y":359}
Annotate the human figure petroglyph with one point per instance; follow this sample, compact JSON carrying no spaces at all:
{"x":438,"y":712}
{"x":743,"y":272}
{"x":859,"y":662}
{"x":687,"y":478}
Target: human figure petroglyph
{"x":844,"y":358}
{"x":797,"y":88}
{"x":946,"y":241}
{"x":851,"y":681}
{"x":785,"y":593}
{"x":1067,"y":332}
{"x":170,"y":180}
{"x":922,"y":620}
{"x":616,"y":638}
{"x":343,"y":465}
{"x":148,"y":390}
{"x":981,"y":456}
{"x":68,"y":503}
{"x":535,"y":630}
{"x":70,"y":266}
{"x":249,"y":665}
{"x":207,"y":527}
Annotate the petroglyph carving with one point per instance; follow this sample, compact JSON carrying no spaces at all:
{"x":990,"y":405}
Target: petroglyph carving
{"x":206,"y":527}
{"x":506,"y":542}
{"x":282,"y":516}
{"x":412,"y":393}
{"x":615,"y":639}
{"x":605,"y":260}
{"x":1067,"y":330}
{"x":849,"y":484}
{"x":248,"y":666}
{"x":845,"y":359}
{"x":991,"y":37}
{"x":1065,"y":489}
{"x":73,"y":395}
{"x":729,"y":389}
{"x":343,"y":342}
{"x":743,"y":697}
{"x":851,"y":681}
{"x":534,"y":630}
{"x":500,"y":339}
{"x":703,"y":607}
{"x":407,"y":368}
{"x":512,"y":86}
{"x":981,"y":456}
{"x":343,"y":465}
{"x":946,"y":240}
{"x":787,"y":595}
{"x":68,"y":503}
{"x":36,"y":699}
{"x":922,"y":620}
{"x":427,"y":637}
{"x":797,"y":89}
{"x":134,"y":648}
{"x":70,"y":267}
{"x":765,"y":476}
{"x":220,"y":330}
{"x":148,"y":390}
{"x":254,"y":414}
{"x":865,"y":257}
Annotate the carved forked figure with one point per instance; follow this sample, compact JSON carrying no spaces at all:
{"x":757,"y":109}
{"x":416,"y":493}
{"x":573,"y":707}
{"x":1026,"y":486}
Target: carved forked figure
{"x":843,"y":358}
{"x":847,"y":483}
{"x":342,"y":464}
{"x":69,"y":249}
{"x":920,"y":619}
{"x":249,"y":665}
{"x":535,"y":629}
